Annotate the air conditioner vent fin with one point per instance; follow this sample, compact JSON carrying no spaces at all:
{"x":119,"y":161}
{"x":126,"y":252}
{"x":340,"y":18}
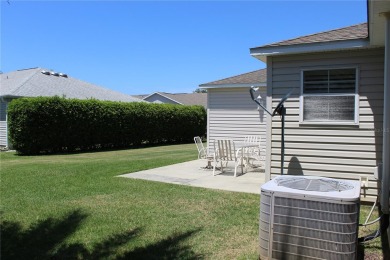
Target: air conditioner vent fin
{"x":302,"y":224}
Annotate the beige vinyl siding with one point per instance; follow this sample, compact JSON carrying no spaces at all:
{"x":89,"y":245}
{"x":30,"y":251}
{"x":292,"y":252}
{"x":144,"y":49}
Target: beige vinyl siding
{"x":336,"y":151}
{"x":233,"y":114}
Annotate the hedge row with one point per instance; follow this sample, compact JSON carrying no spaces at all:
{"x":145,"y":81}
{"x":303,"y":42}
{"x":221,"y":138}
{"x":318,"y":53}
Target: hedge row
{"x":54,"y":124}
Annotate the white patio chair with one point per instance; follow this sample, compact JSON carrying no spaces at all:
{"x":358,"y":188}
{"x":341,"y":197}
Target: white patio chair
{"x":252,"y":139}
{"x":202,"y":151}
{"x":254,"y":154}
{"x":225,"y":151}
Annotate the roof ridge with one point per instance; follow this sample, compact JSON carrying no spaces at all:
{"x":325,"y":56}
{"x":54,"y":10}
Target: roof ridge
{"x":32,"y":82}
{"x":32,"y":75}
{"x":28,"y":68}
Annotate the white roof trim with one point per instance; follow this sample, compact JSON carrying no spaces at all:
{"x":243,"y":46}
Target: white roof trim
{"x":309,"y":47}
{"x":238,"y":85}
{"x":158,"y":93}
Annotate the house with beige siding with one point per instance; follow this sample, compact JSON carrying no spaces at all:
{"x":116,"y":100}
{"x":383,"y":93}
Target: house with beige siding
{"x":337,"y":121}
{"x":231,"y":113}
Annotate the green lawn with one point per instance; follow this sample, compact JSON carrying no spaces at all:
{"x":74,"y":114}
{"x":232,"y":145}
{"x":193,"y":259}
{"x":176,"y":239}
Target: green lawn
{"x":73,"y":206}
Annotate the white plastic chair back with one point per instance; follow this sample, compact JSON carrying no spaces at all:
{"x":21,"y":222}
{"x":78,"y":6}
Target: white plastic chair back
{"x":252,"y":139}
{"x":226,"y":150}
{"x":202,"y":153}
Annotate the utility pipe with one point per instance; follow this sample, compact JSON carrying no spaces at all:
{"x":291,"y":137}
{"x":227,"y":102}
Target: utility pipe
{"x":386,"y":121}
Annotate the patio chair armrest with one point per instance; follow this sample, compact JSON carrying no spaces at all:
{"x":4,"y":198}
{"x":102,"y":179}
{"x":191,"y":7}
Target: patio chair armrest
{"x":239,"y":153}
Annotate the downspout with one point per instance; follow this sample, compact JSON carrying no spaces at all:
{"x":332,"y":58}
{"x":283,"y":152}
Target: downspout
{"x":268,"y":126}
{"x":386,"y":120}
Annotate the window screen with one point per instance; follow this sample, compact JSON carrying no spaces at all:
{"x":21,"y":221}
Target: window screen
{"x":329,"y":95}
{"x":340,"y":108}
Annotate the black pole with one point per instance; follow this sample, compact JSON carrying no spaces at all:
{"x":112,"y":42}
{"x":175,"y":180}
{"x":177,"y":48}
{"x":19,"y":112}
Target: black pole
{"x":283,"y":113}
{"x":280,"y":110}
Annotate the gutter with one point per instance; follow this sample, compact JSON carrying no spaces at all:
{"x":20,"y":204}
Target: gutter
{"x":261,"y":52}
{"x":239,"y":85}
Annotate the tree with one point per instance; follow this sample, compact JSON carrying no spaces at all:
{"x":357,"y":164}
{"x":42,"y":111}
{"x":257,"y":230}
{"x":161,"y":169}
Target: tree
{"x":200,"y":90}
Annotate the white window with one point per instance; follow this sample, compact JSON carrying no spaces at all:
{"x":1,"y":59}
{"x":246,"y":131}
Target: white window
{"x":329,"y":96}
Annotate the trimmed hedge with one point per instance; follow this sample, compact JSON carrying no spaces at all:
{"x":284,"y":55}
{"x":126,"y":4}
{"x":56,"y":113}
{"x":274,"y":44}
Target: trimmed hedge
{"x":54,"y":124}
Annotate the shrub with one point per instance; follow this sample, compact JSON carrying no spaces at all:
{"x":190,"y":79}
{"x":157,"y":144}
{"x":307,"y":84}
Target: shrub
{"x":54,"y":124}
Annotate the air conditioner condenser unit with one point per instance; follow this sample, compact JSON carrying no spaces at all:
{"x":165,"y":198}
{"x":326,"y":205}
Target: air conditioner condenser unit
{"x":307,"y":217}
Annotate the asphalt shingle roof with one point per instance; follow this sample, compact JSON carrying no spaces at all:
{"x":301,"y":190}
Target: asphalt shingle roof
{"x":182,"y":98}
{"x":358,"y":31}
{"x":33,"y":83}
{"x":189,"y":98}
{"x":257,"y":76}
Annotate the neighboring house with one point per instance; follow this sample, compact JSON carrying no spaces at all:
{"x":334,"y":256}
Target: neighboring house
{"x":176,"y":99}
{"x":36,"y":82}
{"x":231,"y":113}
{"x":336,"y":124}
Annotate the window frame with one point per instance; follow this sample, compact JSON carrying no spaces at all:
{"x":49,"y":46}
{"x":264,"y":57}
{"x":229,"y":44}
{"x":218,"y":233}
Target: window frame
{"x":330,"y":122}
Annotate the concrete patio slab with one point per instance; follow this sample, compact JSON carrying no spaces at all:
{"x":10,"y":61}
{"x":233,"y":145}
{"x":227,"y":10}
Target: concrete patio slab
{"x":192,"y":173}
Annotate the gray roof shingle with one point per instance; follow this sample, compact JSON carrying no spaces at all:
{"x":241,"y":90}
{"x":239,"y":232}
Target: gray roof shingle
{"x":33,"y":83}
{"x":189,"y":98}
{"x":254,"y":77}
{"x":358,"y":31}
{"x":181,"y":98}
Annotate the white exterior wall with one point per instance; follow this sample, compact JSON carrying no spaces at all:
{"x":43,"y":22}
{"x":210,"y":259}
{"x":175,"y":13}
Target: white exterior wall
{"x":3,"y":134}
{"x":3,"y":124}
{"x":328,"y":150}
{"x":232,"y":114}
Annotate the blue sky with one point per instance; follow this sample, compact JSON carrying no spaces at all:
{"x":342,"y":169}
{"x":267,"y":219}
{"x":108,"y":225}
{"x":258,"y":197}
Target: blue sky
{"x":140,"y":47}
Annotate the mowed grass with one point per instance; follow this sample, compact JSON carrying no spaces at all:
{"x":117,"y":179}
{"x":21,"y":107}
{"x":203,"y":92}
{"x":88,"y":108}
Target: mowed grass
{"x":75,"y":206}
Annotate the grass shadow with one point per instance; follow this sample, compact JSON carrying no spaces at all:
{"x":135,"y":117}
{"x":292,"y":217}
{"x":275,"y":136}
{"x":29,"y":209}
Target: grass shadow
{"x":46,"y":239}
{"x":37,"y":241}
{"x":169,"y":248}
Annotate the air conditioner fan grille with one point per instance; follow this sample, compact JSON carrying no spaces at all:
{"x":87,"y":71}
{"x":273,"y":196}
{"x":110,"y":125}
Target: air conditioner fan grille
{"x":307,"y":184}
